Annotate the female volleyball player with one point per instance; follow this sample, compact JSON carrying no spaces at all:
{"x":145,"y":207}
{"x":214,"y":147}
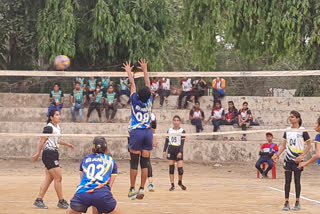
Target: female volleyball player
{"x":317,"y":142}
{"x":98,"y":172}
{"x":50,"y":158}
{"x":293,"y":144}
{"x":174,"y":145}
{"x":141,"y":136}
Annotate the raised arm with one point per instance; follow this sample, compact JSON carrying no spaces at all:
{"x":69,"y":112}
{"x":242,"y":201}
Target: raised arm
{"x":144,"y":67}
{"x":128,"y":68}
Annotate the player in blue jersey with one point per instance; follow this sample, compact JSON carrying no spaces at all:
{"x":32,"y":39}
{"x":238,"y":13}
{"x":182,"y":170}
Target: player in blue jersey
{"x":98,"y":172}
{"x":140,"y":133}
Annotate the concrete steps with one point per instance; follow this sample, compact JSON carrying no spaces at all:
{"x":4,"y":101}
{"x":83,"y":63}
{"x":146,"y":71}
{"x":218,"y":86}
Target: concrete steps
{"x":266,"y":117}
{"x":255,"y":103}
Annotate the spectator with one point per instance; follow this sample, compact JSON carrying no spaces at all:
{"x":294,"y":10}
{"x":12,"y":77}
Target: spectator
{"x":56,"y":99}
{"x":196,"y":116}
{"x":96,"y":104}
{"x":164,"y":90}
{"x":231,"y":115}
{"x":218,"y":88}
{"x":155,"y":84}
{"x":111,"y":103}
{"x":266,"y":152}
{"x":77,"y":98}
{"x":92,"y":84}
{"x":245,"y":119}
{"x":82,"y":82}
{"x":199,"y":88}
{"x":125,"y":88}
{"x":217,"y":116}
{"x":105,"y":83}
{"x":186,"y":87}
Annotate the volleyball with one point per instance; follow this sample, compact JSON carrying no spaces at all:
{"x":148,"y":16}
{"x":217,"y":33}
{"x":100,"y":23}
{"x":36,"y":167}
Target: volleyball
{"x":62,"y":62}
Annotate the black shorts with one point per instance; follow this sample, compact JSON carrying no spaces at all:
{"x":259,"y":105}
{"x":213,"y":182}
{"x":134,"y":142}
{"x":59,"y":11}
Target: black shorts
{"x":50,"y":159}
{"x":291,"y":166}
{"x":173,"y":153}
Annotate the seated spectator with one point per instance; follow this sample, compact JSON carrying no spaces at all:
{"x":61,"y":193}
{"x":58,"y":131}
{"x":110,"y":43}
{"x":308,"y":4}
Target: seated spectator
{"x":164,"y":90}
{"x":111,"y":103}
{"x":105,"y":83}
{"x":217,"y":116}
{"x":186,"y":87}
{"x":231,"y":115}
{"x":155,"y":85}
{"x":56,"y":98}
{"x":92,"y":84}
{"x":125,"y":88}
{"x":245,"y":119}
{"x":218,"y":88}
{"x":199,"y":88}
{"x":266,"y":152}
{"x":196,"y":116}
{"x":96,"y":104}
{"x":77,"y":98}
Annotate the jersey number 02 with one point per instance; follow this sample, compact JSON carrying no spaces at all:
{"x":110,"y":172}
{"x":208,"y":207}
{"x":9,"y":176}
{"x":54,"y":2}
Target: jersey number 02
{"x":92,"y":169}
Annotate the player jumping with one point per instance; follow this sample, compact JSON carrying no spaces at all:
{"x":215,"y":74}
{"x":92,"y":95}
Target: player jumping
{"x":175,"y":144}
{"x":140,"y":136}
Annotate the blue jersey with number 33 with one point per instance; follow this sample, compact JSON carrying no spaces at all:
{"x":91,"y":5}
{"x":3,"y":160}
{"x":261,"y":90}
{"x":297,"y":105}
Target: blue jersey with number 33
{"x":140,"y":112}
{"x":97,"y":170}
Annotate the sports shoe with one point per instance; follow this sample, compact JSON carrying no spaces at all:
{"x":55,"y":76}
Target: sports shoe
{"x":132,"y":194}
{"x":264,"y":174}
{"x":183,"y":187}
{"x":171,"y":188}
{"x":39,"y":203}
{"x":151,"y":188}
{"x":286,"y":206}
{"x":296,"y":206}
{"x":140,"y":194}
{"x":63,"y":204}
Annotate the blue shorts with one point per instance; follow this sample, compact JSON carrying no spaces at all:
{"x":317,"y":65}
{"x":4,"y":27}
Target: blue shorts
{"x":141,"y":139}
{"x":102,"y":199}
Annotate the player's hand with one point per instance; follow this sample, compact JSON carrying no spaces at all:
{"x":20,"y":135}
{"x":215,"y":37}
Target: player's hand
{"x":127,"y":67}
{"x":164,"y":155}
{"x":143,"y":65}
{"x":179,"y":155}
{"x":35,"y":157}
{"x":71,"y":146}
{"x":299,"y":159}
{"x":155,"y":143}
{"x":302,"y":164}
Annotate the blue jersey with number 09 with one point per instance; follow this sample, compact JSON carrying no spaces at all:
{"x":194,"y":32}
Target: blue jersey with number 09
{"x":96,"y":172}
{"x":140,"y":112}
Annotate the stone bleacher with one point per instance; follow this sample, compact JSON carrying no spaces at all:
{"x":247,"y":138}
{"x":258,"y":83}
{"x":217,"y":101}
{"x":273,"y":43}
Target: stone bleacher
{"x":26,"y":113}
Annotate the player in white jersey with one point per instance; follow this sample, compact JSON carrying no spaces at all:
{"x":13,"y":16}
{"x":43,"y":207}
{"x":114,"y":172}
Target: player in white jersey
{"x":294,"y":143}
{"x":50,"y":158}
{"x":173,"y":150}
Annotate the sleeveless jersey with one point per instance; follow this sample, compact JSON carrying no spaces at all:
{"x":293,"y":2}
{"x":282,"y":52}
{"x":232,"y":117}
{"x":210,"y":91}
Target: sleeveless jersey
{"x":96,"y":172}
{"x":110,"y":97}
{"x":98,"y":97}
{"x":57,"y":95}
{"x":77,"y":96}
{"x":122,"y":85}
{"x":186,"y":85}
{"x":105,"y":82}
{"x":92,"y":83}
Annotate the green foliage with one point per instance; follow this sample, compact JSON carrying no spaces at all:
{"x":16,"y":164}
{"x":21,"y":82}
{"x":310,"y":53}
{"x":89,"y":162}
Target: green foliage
{"x":56,"y":28}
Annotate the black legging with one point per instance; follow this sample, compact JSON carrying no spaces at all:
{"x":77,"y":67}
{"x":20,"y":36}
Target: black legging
{"x":288,"y":178}
{"x":93,"y":106}
{"x":150,"y":169}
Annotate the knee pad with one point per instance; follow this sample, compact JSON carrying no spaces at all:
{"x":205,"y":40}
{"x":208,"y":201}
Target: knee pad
{"x":171,"y":169}
{"x":134,"y":161}
{"x":180,"y":170}
{"x":144,"y":162}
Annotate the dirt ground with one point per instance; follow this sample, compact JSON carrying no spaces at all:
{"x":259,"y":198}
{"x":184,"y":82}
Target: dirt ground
{"x":230,"y":188}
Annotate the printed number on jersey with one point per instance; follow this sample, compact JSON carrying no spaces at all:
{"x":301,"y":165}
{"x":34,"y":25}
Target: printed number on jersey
{"x":292,"y":142}
{"x":143,"y":117}
{"x":95,"y":172}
